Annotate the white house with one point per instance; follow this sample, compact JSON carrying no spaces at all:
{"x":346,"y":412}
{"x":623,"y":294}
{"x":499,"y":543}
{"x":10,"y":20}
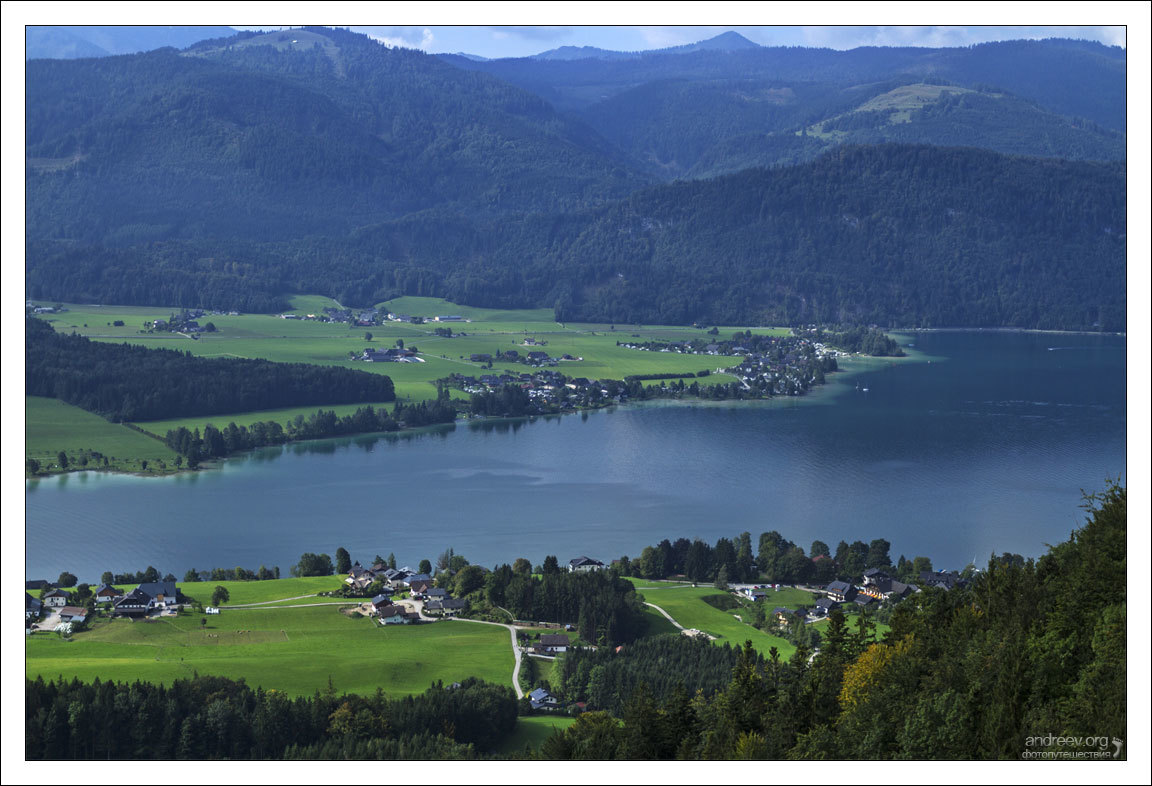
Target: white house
{"x":585,"y":564}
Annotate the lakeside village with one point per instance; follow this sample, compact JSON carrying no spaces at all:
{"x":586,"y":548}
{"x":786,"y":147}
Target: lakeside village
{"x":767,"y":366}
{"x":402,"y":596}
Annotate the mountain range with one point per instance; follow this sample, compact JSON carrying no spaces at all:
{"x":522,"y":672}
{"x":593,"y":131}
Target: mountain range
{"x":616,"y":186}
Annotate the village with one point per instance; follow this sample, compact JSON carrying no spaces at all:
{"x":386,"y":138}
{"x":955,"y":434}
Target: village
{"x":400,"y":596}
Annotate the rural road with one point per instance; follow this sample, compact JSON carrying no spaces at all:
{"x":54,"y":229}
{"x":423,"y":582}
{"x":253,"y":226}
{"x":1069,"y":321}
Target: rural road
{"x":515,"y":651}
{"x":666,"y":615}
{"x":278,"y":600}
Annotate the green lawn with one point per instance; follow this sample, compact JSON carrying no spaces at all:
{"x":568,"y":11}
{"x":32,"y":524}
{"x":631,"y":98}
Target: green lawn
{"x":531,"y":731}
{"x":240,"y":592}
{"x":292,"y":650}
{"x":51,"y":426}
{"x":684,"y":603}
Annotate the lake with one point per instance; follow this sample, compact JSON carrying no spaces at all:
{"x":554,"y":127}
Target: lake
{"x":983,"y":449}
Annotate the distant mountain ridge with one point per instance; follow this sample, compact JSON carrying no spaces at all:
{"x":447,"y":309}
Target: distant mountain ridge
{"x":75,"y":41}
{"x":730,"y":41}
{"x":1074,"y":78}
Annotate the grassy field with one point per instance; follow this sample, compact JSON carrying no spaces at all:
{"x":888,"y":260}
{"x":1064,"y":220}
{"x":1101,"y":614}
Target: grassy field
{"x":51,"y":426}
{"x":267,"y":336}
{"x":240,"y":592}
{"x":686,"y":605}
{"x":532,"y":730}
{"x":489,"y":331}
{"x":292,"y":650}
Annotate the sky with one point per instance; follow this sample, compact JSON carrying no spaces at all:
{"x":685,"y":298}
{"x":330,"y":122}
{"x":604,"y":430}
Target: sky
{"x":522,"y":40}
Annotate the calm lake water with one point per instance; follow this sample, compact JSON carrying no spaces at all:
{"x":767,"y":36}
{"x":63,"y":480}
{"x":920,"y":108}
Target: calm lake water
{"x":984,"y":449}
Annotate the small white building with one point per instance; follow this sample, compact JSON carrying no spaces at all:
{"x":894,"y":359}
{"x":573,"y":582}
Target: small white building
{"x":584,"y":565}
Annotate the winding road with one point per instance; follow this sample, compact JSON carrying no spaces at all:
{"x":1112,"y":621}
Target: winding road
{"x":666,"y":615}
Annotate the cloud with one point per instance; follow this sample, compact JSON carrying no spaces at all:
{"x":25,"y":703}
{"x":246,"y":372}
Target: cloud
{"x":408,"y":37}
{"x":531,"y":32}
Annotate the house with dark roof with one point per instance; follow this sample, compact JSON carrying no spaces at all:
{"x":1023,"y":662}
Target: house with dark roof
{"x":755,"y":593}
{"x":945,"y":580}
{"x":420,"y":586}
{"x":436,"y":593}
{"x":454,"y":605}
{"x":149,"y":596}
{"x":824,"y":606}
{"x":449,"y":607}
{"x":786,"y":616}
{"x":396,"y":615}
{"x":584,"y":565}
{"x":56,"y":599}
{"x":551,"y":643}
{"x":163,"y":593}
{"x":542,"y":700}
{"x":135,"y":603}
{"x":107,"y":593}
{"x":32,"y":607}
{"x":840,"y":590}
{"x":884,"y":587}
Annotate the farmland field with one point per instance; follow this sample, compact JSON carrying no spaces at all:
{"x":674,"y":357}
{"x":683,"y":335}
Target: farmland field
{"x":686,"y":605}
{"x":51,"y":426}
{"x":292,"y":650}
{"x":488,"y":331}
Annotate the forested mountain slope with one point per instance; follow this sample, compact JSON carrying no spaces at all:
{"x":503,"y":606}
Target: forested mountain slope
{"x":259,"y":137}
{"x":702,"y":128}
{"x":893,"y":234}
{"x":318,"y":161}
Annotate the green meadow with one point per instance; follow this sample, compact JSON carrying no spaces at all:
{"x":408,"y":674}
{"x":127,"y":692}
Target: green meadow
{"x":488,"y":331}
{"x":242,"y":592}
{"x":686,"y":605}
{"x":531,"y":731}
{"x":293,"y":650}
{"x":51,"y":426}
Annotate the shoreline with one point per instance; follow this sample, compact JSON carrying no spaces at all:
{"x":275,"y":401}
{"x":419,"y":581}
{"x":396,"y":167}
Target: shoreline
{"x":1008,"y":330}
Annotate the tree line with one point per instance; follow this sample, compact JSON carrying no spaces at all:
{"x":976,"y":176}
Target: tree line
{"x":214,"y":442}
{"x":127,"y":382}
{"x":213,"y":718}
{"x":775,"y":560}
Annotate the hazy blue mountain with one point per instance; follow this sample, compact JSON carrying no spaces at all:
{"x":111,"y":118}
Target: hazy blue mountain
{"x":1074,"y":78}
{"x":73,"y":41}
{"x":725,"y":42}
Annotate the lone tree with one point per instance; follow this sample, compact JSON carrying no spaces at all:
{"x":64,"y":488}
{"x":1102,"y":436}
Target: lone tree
{"x":219,"y":595}
{"x":367,"y":336}
{"x":66,"y":580}
{"x":343,"y":560}
{"x":551,"y":564}
{"x":62,"y":460}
